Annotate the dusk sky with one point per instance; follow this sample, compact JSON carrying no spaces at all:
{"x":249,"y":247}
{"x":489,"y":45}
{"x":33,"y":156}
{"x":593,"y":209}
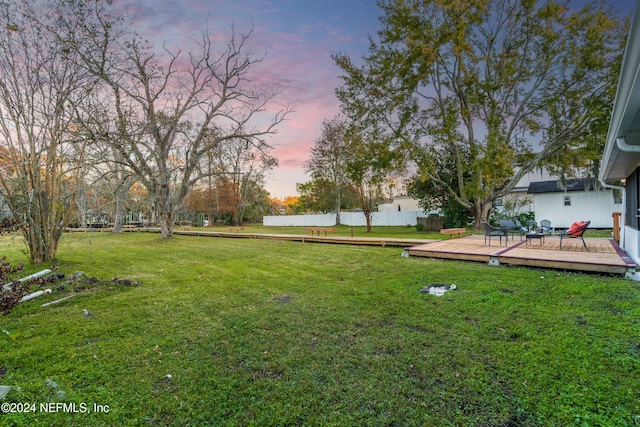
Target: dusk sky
{"x":298,"y":37}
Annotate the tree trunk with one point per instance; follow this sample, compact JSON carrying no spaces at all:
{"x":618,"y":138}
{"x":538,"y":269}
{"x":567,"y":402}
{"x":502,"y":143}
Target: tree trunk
{"x":81,"y":205}
{"x":165,"y":211}
{"x":367,"y":216}
{"x":338,"y":206}
{"x":119,"y":214}
{"x":482,"y":213}
{"x":36,"y":249}
{"x":42,"y":242}
{"x":118,"y":219}
{"x":166,"y":220}
{"x":122,"y":188}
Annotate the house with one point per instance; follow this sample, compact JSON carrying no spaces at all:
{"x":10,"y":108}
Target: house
{"x":621,"y":157}
{"x":400,"y":204}
{"x":518,"y":200}
{"x":574,"y":200}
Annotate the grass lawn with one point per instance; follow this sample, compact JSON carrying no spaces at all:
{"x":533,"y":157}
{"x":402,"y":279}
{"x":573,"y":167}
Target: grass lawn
{"x":260,"y":332}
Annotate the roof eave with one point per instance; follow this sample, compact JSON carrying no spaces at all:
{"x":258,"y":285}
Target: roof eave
{"x":622,"y":150}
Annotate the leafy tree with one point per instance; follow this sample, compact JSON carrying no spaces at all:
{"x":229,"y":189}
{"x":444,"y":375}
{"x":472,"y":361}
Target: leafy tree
{"x":217,"y":199}
{"x":455,"y":215}
{"x":329,"y":157}
{"x":432,"y":194}
{"x":432,"y":197}
{"x":368,"y":169}
{"x":489,"y":84}
{"x":316,"y":195}
{"x":257,"y":206}
{"x":291,"y":205}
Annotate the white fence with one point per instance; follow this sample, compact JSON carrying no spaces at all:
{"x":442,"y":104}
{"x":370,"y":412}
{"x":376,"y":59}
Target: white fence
{"x":378,"y":219}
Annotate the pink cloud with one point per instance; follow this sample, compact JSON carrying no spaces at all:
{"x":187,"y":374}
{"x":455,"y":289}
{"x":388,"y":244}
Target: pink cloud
{"x":298,"y":38}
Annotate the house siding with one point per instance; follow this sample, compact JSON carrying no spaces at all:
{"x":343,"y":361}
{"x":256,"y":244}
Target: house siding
{"x":400,"y":204}
{"x":594,"y":206}
{"x":631,"y":243}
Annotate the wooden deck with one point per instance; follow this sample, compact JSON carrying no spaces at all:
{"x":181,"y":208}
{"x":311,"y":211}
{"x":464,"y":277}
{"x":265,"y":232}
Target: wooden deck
{"x":368,"y":241}
{"x":603,"y":256}
{"x":238,"y":234}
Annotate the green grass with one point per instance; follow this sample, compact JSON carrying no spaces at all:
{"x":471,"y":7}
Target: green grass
{"x":259,"y":332}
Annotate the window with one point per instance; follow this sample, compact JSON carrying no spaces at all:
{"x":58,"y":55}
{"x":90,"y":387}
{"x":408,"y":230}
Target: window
{"x":497,"y":202}
{"x":567,"y":200}
{"x":617,"y":196}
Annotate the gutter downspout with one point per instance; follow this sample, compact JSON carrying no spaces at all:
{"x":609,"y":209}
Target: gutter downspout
{"x":624,"y":207}
{"x":621,"y":142}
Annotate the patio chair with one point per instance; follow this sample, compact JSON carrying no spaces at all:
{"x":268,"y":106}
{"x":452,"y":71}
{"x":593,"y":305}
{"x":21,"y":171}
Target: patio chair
{"x":532,"y":225}
{"x":545,"y":227}
{"x":524,"y":229}
{"x":576,"y":231}
{"x":512,"y":227}
{"x":490,"y":231}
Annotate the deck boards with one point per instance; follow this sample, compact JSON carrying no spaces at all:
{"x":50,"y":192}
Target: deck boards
{"x":603,"y":254}
{"x":370,"y":241}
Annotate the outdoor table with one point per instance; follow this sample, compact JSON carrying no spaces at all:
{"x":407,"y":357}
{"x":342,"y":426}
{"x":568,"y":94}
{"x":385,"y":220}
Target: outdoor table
{"x":538,"y":236}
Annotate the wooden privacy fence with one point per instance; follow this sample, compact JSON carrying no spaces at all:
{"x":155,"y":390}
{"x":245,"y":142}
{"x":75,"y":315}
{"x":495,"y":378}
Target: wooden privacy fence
{"x":379,"y":219}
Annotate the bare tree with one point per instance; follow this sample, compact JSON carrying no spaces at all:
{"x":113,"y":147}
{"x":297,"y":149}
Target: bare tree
{"x":109,"y":182}
{"x":244,"y":165}
{"x":170,"y":108}
{"x":40,"y":89}
{"x":105,"y":170}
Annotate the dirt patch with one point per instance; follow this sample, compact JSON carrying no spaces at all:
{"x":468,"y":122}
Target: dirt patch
{"x":283,"y":299}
